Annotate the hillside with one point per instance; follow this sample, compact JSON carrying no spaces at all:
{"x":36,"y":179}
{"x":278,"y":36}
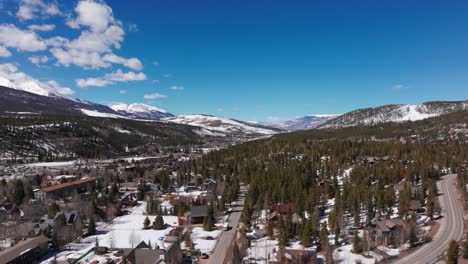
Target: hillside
{"x":395,"y":114}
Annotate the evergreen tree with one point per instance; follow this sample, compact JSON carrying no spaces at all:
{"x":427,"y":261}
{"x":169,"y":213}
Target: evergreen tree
{"x":91,"y":227}
{"x":324,"y":236}
{"x":357,"y":245}
{"x":52,"y":210}
{"x":306,"y":234}
{"x":269,"y":230}
{"x":453,"y":252}
{"x":18,"y":194}
{"x":237,"y":258}
{"x":146,"y":223}
{"x":158,"y":223}
{"x":465,"y":248}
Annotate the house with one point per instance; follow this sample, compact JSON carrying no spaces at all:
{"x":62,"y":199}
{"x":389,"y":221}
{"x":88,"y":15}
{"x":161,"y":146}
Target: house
{"x":26,"y":251}
{"x":67,"y":189}
{"x":283,"y":209}
{"x":144,"y":254}
{"x":197,"y":214}
{"x":67,"y":226}
{"x":388,"y":231}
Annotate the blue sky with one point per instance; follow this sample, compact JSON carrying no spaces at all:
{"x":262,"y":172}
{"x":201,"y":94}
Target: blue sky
{"x":253,"y":60}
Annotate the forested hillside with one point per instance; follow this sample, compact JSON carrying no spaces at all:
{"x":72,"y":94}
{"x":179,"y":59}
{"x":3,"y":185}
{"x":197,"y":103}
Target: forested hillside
{"x":51,"y":138}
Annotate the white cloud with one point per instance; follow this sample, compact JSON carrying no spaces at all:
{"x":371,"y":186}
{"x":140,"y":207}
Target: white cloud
{"x":13,"y":37}
{"x":94,"y":15}
{"x":44,"y":27}
{"x":30,"y":9}
{"x":82,"y":58}
{"x":110,"y":78}
{"x":97,"y":82}
{"x":120,"y":76}
{"x":93,"y":48}
{"x":132,"y":63}
{"x":122,"y":92}
{"x":11,"y":72}
{"x":38,"y":59}
{"x":155,"y":96}
{"x":177,"y":88}
{"x":167,"y":75}
{"x":4,"y":52}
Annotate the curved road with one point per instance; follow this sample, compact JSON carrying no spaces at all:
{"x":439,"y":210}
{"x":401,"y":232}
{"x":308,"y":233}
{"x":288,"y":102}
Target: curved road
{"x":451,"y":226}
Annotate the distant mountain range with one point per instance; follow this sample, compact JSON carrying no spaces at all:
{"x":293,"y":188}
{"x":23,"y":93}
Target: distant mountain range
{"x":304,"y":123}
{"x":395,"y":114}
{"x":38,"y":98}
{"x":218,"y":126}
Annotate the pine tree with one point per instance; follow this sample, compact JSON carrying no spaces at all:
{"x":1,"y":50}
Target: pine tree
{"x":269,"y":230}
{"x":306,"y":234}
{"x":158,"y":223}
{"x":18,"y":194}
{"x":465,"y":248}
{"x":52,"y":210}
{"x":237,"y":258}
{"x":146,"y":223}
{"x":357,"y":246}
{"x":453,"y":252}
{"x":324,"y":235}
{"x":91,"y":227}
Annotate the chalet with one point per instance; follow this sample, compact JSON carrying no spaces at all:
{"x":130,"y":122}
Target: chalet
{"x":144,"y":254}
{"x":26,"y":251}
{"x":283,"y":209}
{"x":388,"y":231}
{"x":67,"y":189}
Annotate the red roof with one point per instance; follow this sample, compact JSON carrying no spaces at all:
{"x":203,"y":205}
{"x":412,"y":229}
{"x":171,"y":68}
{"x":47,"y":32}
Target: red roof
{"x":68,"y":184}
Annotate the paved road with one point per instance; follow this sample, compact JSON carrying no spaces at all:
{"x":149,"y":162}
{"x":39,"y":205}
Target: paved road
{"x":226,"y":239}
{"x":451,"y":226}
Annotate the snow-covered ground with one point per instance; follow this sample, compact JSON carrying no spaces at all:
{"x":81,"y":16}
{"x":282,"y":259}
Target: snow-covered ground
{"x":261,"y":250}
{"x":344,"y":255}
{"x":201,"y":243}
{"x":124,"y":232}
{"x":218,"y":124}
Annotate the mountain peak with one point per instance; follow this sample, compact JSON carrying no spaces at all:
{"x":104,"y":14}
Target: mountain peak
{"x":139,"y":110}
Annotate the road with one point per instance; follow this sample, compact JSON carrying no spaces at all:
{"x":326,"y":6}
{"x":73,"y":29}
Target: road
{"x":227,"y":238}
{"x":451,"y":226}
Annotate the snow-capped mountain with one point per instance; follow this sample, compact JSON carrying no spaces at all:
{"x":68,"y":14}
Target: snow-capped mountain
{"x":141,"y":111}
{"x":219,"y":126}
{"x":29,"y":86}
{"x":395,"y":113}
{"x":304,"y":123}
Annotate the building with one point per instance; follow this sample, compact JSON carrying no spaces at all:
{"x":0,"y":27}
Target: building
{"x":67,"y":189}
{"x":26,"y":251}
{"x":197,"y":214}
{"x":144,"y":254}
{"x":388,"y":231}
{"x":296,"y":256}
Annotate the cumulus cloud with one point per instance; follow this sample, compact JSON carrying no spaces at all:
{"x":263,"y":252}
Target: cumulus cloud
{"x":97,"y":82}
{"x":155,"y":96}
{"x":44,"y":27}
{"x":100,"y":34}
{"x":132,"y":63}
{"x":177,"y":88}
{"x":122,"y":92}
{"x":12,"y":73}
{"x":4,"y":52}
{"x":30,"y":9}
{"x":111,"y":78}
{"x":38,"y":59}
{"x":13,"y":37}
